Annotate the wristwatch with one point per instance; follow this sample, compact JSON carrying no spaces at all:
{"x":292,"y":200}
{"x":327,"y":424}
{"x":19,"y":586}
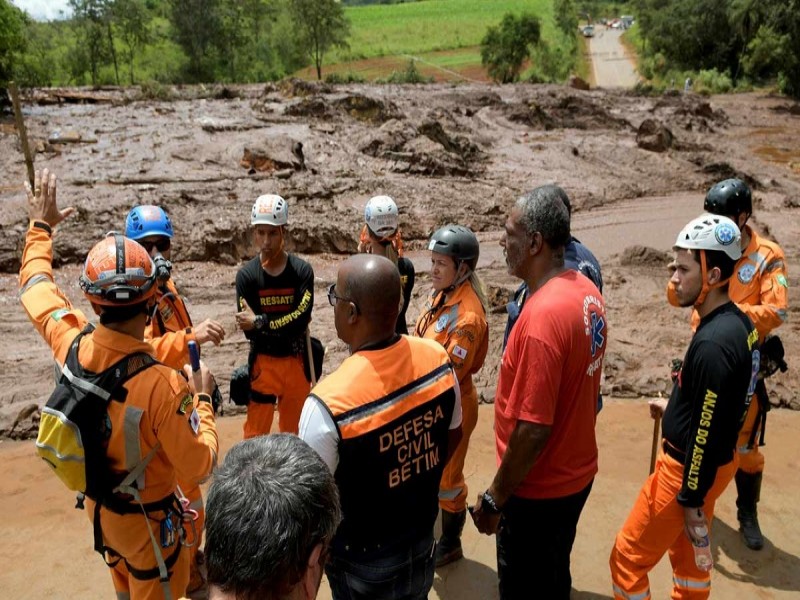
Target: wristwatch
{"x":258,"y":322}
{"x":489,"y":504}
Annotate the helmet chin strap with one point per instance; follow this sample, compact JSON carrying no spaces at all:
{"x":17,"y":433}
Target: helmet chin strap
{"x":271,"y":259}
{"x":458,"y":280}
{"x":706,"y":286}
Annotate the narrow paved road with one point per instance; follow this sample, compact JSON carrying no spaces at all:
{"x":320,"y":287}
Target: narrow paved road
{"x":612,"y":68}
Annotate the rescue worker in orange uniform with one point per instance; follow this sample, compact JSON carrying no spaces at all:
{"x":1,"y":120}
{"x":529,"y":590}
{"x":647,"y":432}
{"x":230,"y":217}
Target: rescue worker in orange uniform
{"x":169,"y":332}
{"x":381,"y":235}
{"x":274,"y":296}
{"x":455,"y":316}
{"x":760,"y":290}
{"x":702,"y":419}
{"x":385,"y":422}
{"x":160,"y":423}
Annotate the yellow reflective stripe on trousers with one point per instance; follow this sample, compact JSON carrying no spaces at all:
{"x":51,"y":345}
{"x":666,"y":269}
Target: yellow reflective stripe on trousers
{"x":692,"y":584}
{"x":133,"y":444}
{"x":645,"y":595}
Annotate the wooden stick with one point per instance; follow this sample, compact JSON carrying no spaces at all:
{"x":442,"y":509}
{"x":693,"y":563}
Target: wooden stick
{"x":656,"y":439}
{"x":310,"y":359}
{"x":23,"y":134}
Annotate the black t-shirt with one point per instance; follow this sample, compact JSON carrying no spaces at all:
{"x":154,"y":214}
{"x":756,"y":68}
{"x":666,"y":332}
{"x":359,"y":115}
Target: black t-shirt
{"x":407,"y":275}
{"x":286,"y":301}
{"x":709,"y":400}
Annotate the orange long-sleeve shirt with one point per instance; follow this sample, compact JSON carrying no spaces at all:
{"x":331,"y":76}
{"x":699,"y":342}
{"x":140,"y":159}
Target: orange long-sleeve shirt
{"x":170,"y":330}
{"x":460,"y":326}
{"x":759,"y":285}
{"x":159,"y":408}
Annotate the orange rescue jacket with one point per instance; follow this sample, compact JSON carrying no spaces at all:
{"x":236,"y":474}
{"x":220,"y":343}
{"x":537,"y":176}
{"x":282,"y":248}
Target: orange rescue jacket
{"x":459,"y":325}
{"x":159,"y":408}
{"x":759,"y":285}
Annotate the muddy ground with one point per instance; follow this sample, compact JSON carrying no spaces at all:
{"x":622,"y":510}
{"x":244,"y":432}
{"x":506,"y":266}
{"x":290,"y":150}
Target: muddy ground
{"x":445,"y":153}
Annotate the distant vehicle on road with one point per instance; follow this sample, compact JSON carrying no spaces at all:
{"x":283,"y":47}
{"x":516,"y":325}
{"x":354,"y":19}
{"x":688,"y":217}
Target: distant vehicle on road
{"x":626,"y":21}
{"x":588,"y":31}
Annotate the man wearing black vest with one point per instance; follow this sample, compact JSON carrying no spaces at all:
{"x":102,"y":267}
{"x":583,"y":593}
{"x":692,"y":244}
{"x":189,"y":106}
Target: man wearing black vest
{"x":385,"y":422}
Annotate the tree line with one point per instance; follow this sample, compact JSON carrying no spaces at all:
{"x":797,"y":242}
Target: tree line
{"x":743,"y":41}
{"x":171,"y":41}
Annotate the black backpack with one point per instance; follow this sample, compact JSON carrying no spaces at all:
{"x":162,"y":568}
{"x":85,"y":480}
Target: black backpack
{"x":74,"y":428}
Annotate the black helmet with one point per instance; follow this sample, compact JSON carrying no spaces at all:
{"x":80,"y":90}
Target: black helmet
{"x":729,"y":198}
{"x":456,"y":241}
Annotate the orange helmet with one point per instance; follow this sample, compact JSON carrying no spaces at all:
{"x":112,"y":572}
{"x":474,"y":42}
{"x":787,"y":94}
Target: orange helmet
{"x":118,"y":272}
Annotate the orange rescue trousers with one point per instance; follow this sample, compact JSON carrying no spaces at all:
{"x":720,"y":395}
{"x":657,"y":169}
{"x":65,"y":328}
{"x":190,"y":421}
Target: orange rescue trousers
{"x":127,"y":535}
{"x":654,"y":526}
{"x":284,"y":378}
{"x":453,"y":487}
{"x":751,"y":460}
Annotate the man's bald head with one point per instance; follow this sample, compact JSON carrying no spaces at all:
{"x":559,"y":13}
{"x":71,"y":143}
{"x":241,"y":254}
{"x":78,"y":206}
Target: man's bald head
{"x":372,"y":282}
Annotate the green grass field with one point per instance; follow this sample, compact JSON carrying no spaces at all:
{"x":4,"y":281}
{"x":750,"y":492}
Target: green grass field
{"x":443,"y":35}
{"x":431,"y":25}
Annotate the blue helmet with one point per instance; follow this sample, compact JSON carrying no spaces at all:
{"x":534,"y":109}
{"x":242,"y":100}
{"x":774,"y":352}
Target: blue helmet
{"x":144,"y":221}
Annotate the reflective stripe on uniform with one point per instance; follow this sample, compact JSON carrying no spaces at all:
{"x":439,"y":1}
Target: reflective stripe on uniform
{"x":645,"y":595}
{"x":133,"y":446}
{"x":692,"y":584}
{"x":123,"y":596}
{"x":450,"y":494}
{"x":86,"y":386}
{"x":33,"y":281}
{"x":362,"y":412}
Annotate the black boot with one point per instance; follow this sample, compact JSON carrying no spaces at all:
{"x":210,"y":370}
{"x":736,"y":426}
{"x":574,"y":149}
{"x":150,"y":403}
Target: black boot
{"x":449,"y":547}
{"x":748,"y":486}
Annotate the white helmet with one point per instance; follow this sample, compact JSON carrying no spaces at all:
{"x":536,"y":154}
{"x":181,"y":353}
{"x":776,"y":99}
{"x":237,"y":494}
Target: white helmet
{"x":270,"y":209}
{"x":381,"y":216}
{"x":711,"y":232}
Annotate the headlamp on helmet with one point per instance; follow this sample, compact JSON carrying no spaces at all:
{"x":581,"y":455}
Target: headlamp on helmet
{"x":118,"y":272}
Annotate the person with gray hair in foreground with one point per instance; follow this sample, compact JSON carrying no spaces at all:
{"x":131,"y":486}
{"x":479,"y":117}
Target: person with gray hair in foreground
{"x":272,"y":511}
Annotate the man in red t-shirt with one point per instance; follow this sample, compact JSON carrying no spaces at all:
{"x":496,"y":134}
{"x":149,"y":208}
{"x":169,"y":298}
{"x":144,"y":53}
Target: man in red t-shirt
{"x":544,"y":407}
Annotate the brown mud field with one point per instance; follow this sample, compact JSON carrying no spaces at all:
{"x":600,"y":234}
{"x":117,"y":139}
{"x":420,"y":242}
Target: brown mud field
{"x":446,"y":153}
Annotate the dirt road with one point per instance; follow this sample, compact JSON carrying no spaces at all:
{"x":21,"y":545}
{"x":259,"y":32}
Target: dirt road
{"x":612,"y":67}
{"x":43,"y":534}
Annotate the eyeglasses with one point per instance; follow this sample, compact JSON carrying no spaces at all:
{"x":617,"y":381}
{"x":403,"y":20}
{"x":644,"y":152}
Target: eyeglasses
{"x":161,"y":244}
{"x":332,"y":297}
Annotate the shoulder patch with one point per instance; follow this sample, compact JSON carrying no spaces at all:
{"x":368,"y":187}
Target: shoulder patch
{"x":460,"y":352}
{"x":185,"y":403}
{"x":441,"y":323}
{"x":746,"y":273}
{"x":782,"y":280}
{"x":57,"y":314}
{"x":194,"y":421}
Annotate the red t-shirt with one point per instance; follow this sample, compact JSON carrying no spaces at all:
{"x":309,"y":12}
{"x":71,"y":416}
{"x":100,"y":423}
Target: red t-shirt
{"x":550,"y":374}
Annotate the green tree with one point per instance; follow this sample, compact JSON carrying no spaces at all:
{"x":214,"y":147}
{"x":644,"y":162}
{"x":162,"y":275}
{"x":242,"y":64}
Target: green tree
{"x":321,"y":25}
{"x":12,"y":39}
{"x":91,"y":21}
{"x":505,"y":48}
{"x":566,"y":16}
{"x":132,"y":21}
{"x":196,"y":25}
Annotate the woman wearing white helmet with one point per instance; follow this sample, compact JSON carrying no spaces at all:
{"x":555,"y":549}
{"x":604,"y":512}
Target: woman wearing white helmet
{"x":455,"y":317}
{"x":274,"y":297}
{"x":381,"y":235}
